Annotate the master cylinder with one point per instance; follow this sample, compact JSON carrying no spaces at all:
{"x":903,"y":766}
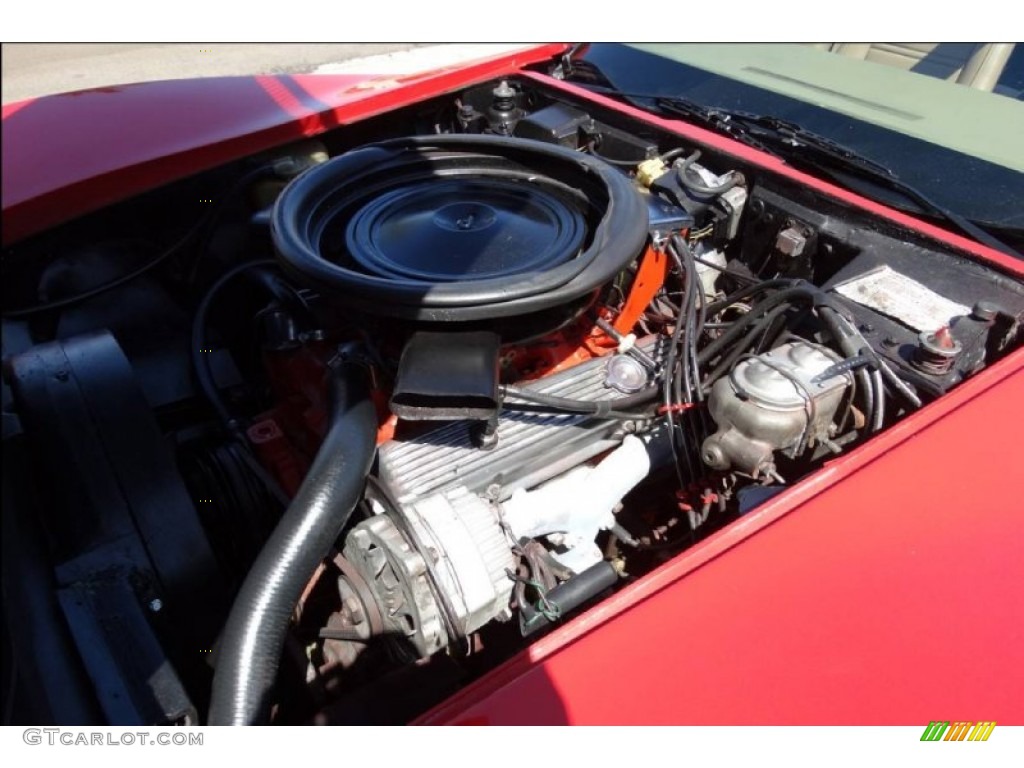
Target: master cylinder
{"x":775,"y":401}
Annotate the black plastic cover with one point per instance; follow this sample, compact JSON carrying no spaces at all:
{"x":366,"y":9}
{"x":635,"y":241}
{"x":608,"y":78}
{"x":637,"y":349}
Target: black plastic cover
{"x":557,"y":124}
{"x":447,"y":376}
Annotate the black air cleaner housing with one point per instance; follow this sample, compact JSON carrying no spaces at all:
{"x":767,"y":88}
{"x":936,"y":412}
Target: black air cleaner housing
{"x":460,"y":229}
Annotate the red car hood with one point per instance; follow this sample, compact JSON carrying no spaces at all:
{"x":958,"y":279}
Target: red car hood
{"x":121,"y":140}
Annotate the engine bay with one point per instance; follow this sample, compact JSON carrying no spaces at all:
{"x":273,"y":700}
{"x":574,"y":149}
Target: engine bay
{"x":385,"y":406}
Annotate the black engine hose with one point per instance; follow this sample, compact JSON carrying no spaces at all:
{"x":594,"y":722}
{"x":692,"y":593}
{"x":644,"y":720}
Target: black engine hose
{"x":878,"y":420}
{"x":596,"y":407}
{"x":784,"y":296}
{"x":851,"y":343}
{"x":570,"y":595}
{"x":750,"y":290}
{"x":695,"y":186}
{"x":763,"y":325}
{"x":200,"y":361}
{"x":253,"y":638}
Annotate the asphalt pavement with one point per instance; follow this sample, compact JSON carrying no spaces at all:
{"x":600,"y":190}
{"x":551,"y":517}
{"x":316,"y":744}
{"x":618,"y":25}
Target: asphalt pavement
{"x":30,"y":69}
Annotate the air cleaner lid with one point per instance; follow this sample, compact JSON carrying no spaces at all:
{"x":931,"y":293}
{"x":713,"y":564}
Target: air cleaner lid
{"x":464,"y":229}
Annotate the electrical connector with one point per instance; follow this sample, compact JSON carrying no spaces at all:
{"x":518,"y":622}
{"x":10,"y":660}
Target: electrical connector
{"x":649,"y":171}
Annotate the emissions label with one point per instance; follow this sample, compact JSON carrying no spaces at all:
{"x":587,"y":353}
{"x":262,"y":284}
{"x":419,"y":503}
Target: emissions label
{"x":896,"y":295}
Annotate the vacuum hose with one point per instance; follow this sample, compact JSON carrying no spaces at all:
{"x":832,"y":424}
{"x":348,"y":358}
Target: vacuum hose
{"x":254,"y":635}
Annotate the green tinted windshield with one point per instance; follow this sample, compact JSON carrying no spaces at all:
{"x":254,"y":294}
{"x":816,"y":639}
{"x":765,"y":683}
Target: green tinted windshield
{"x":975,"y":122}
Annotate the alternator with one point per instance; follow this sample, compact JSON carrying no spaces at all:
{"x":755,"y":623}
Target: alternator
{"x":438,"y":567}
{"x":441,"y":567}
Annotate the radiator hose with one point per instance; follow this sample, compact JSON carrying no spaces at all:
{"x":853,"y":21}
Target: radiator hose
{"x":253,"y":638}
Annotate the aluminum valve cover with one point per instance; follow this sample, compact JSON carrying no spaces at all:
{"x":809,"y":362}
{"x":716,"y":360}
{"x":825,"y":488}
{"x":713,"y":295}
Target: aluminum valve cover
{"x":531,"y":448}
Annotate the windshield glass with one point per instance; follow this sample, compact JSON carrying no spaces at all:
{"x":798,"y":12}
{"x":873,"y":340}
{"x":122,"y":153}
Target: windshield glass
{"x":958,"y":143}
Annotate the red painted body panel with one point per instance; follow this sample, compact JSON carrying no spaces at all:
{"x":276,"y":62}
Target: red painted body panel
{"x":73,"y":153}
{"x":888,"y":589}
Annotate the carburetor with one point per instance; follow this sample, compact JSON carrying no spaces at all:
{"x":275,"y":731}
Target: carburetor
{"x":776,"y":401}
